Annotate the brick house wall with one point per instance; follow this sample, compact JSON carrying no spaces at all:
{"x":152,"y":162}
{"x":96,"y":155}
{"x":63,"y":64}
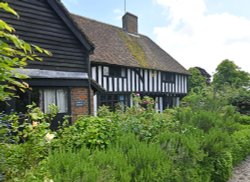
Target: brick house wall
{"x":129,"y":23}
{"x":80,"y":94}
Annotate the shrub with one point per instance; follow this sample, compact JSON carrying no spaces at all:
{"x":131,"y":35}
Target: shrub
{"x":112,"y":165}
{"x":71,"y":166}
{"x":244,"y":119}
{"x":93,"y":132}
{"x":241,"y":147}
{"x":223,"y":165}
{"x":184,"y":150}
{"x":25,"y":143}
{"x":145,"y":124}
{"x":126,"y":160}
{"x":149,"y":161}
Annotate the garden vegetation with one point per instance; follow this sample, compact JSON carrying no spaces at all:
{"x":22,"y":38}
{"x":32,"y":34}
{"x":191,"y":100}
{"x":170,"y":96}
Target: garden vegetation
{"x":199,"y":141}
{"x":202,"y":140}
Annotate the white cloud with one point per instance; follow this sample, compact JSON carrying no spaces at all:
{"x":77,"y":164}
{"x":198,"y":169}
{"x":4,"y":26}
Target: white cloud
{"x":196,"y":38}
{"x":118,"y":13}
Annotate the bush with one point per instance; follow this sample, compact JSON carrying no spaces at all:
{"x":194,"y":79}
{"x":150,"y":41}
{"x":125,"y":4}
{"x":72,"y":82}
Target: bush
{"x":126,"y":160}
{"x":93,"y":132}
{"x":71,"y":166}
{"x":24,"y":143}
{"x":146,"y":124}
{"x":139,"y":144}
{"x":242,"y":101}
{"x":241,"y":147}
{"x":184,"y":150}
{"x":149,"y":161}
{"x":244,"y":119}
{"x":223,"y":165}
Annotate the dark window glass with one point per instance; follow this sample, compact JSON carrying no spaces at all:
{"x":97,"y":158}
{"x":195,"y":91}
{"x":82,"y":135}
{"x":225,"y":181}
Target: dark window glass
{"x":167,"y":102}
{"x":168,"y":77}
{"x":114,"y":101}
{"x":114,"y":71}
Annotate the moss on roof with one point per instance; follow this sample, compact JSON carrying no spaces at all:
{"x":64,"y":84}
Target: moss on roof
{"x":135,"y":48}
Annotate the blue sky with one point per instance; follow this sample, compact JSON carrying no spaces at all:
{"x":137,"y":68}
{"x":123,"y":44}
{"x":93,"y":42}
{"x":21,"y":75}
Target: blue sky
{"x":195,"y":32}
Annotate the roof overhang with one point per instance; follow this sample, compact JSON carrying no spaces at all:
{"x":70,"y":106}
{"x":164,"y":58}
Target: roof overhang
{"x":37,"y":73}
{"x":96,"y":87}
{"x":63,"y":13}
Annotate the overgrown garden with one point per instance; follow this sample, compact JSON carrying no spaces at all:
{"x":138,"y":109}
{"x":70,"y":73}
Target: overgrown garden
{"x":199,"y":141}
{"x":202,"y":140}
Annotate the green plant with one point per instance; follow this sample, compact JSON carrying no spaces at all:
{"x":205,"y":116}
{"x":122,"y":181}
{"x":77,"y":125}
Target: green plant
{"x":196,"y":81}
{"x":185,"y":152}
{"x":241,"y":145}
{"x":14,"y":53}
{"x":223,"y":165}
{"x":145,"y":124}
{"x":228,"y":73}
{"x":149,"y":161}
{"x":244,"y":119}
{"x":88,"y":131}
{"x":26,"y":142}
{"x":71,"y":165}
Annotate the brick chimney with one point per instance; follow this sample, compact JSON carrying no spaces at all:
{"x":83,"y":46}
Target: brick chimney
{"x":129,"y":23}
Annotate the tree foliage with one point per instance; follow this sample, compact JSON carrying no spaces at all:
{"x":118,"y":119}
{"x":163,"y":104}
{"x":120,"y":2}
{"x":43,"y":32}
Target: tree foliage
{"x":241,"y":101}
{"x":196,"y":81}
{"x":14,"y":53}
{"x":228,"y":73}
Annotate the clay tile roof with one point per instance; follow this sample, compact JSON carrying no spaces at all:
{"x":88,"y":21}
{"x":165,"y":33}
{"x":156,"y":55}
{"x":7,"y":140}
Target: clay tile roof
{"x":114,"y":46}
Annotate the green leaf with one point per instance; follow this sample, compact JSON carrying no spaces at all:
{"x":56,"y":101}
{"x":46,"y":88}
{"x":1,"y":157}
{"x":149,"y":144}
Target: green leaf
{"x":6,"y":7}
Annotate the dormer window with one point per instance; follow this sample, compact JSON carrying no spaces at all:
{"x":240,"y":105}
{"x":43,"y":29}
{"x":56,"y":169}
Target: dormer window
{"x":114,"y":71}
{"x":168,"y":77}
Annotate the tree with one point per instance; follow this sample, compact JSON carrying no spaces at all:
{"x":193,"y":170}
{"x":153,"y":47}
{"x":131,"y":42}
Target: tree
{"x":14,"y":53}
{"x":196,"y":81}
{"x":228,"y":73}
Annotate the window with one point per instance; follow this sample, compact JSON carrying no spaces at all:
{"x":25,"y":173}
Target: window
{"x":114,"y":71}
{"x":167,"y":77}
{"x":59,"y":97}
{"x":114,"y":101}
{"x":41,"y":97}
{"x":153,"y":73}
{"x":123,"y":72}
{"x":105,"y":71}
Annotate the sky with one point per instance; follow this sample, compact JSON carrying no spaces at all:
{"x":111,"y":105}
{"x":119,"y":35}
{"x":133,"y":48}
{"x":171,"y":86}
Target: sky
{"x":195,"y":32}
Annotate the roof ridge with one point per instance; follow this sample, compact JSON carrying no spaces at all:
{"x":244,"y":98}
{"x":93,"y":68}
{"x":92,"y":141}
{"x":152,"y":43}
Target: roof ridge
{"x":102,"y":34}
{"x":97,"y":21}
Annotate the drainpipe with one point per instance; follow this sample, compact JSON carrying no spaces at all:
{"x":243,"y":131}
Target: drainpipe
{"x":89,"y":87}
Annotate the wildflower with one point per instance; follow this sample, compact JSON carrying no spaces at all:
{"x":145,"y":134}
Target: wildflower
{"x":48,"y":137}
{"x":48,"y":180}
{"x":138,"y":95}
{"x":25,"y":84}
{"x":34,"y":123}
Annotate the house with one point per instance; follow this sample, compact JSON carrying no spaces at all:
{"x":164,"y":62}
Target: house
{"x":62,"y":79}
{"x":205,"y":74}
{"x":79,"y":79}
{"x":126,"y":62}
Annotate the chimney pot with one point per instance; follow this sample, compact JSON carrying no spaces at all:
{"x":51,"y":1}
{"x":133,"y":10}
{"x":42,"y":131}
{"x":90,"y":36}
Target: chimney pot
{"x":130,"y":23}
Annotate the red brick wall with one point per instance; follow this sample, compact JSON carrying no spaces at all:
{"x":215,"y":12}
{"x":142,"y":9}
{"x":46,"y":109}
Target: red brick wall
{"x":129,"y":23}
{"x":80,"y":93}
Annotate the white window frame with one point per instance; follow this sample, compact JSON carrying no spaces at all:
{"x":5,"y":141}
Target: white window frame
{"x":62,"y":102}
